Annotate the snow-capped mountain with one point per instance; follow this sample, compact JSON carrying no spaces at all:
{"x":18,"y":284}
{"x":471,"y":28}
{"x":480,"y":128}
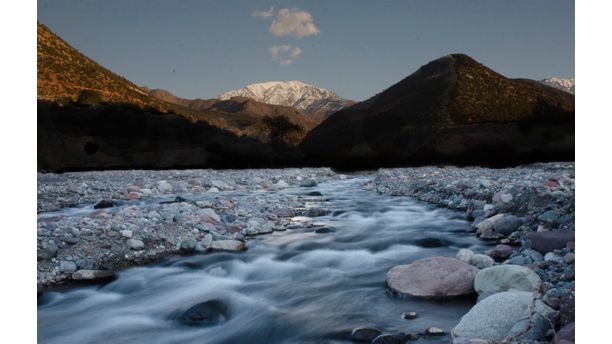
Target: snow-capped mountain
{"x":564,"y":84}
{"x":311,"y":100}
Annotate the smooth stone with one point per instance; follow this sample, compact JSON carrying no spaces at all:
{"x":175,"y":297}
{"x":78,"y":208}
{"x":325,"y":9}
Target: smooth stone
{"x":464,"y":255}
{"x":314,"y":194}
{"x":105,"y":203}
{"x":316,"y":212}
{"x":545,"y":242}
{"x":68,"y":267}
{"x":206,"y":313}
{"x":432,"y":277}
{"x":566,"y":335}
{"x":551,"y":216}
{"x":93,"y":275}
{"x":481,"y":261}
{"x":506,"y":277}
{"x":207,"y":241}
{"x":553,"y":257}
{"x":324,"y":230}
{"x":135,"y":244}
{"x":389,"y":339}
{"x":164,"y":187}
{"x":208,"y":215}
{"x":126,"y":233}
{"x":282,"y":184}
{"x":500,"y":251}
{"x":308,"y":183}
{"x":366,"y":334}
{"x":409,"y":315}
{"x":187,"y":245}
{"x":493,"y":318}
{"x":507,"y":224}
{"x":434,"y":331}
{"x":228,"y":245}
{"x":569,"y":258}
{"x":487,"y":225}
{"x":51,"y":250}
{"x":490,"y":236}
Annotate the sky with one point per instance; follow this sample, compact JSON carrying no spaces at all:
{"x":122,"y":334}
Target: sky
{"x":356,"y":48}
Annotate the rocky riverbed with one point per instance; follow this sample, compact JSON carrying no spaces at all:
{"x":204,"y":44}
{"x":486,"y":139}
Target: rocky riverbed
{"x":528,"y":212}
{"x":114,"y":219}
{"x":92,"y":224}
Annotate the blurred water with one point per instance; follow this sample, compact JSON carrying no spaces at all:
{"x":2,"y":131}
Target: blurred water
{"x":295,"y":286}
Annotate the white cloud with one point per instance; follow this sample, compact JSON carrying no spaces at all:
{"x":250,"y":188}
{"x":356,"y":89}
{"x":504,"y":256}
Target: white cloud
{"x":264,"y":14}
{"x":286,"y":53}
{"x":294,"y":22}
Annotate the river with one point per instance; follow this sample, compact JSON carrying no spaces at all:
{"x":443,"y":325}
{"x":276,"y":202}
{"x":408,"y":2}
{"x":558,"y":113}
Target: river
{"x":295,"y":286}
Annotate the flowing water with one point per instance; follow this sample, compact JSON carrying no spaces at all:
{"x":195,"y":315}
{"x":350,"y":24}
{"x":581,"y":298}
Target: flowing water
{"x":295,"y":286}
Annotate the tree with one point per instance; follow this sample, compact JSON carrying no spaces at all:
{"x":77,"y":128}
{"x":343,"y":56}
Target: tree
{"x":280,"y":126}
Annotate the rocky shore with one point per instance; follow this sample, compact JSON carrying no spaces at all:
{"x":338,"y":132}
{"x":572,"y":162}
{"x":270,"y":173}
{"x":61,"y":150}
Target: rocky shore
{"x":526,"y":280}
{"x":91,"y":224}
{"x":135,"y":217}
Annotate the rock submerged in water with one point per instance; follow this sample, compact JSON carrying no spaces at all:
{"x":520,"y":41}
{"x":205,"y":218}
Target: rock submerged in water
{"x":506,"y":277}
{"x":433,"y":277}
{"x":206,"y":313}
{"x":389,"y":339}
{"x":502,"y":314}
{"x":365,"y":334}
{"x":105,"y":203}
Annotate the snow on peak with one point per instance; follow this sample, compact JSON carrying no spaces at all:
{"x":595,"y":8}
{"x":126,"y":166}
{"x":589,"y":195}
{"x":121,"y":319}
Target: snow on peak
{"x":307,"y":98}
{"x":564,"y":84}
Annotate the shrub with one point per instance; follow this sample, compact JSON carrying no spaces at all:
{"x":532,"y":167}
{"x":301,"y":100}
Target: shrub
{"x":89,"y":97}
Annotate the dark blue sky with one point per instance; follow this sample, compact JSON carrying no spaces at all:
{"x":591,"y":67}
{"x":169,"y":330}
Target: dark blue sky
{"x":200,"y":48}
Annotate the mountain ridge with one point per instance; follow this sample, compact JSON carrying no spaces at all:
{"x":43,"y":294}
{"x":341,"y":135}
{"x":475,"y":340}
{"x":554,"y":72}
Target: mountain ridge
{"x":452,"y":109}
{"x":564,"y":84}
{"x":312,"y":100}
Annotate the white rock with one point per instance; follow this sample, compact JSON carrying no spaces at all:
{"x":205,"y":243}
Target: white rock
{"x":464,"y":255}
{"x":164,"y":187}
{"x":228,"y":245}
{"x":506,"y":277}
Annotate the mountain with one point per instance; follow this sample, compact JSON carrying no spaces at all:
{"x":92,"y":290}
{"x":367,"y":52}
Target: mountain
{"x":63,"y":73}
{"x":311,"y":100}
{"x":243,"y":113}
{"x":91,"y":118}
{"x":564,"y":84}
{"x":452,"y":109}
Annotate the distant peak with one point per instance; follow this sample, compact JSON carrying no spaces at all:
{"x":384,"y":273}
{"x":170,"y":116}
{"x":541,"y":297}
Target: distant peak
{"x":305,"y":97}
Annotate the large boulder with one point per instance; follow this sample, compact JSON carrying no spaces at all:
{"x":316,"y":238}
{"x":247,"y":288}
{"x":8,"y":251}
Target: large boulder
{"x":433,"y":277}
{"x":504,"y":314}
{"x":506,"y":277}
{"x":545,"y":242}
